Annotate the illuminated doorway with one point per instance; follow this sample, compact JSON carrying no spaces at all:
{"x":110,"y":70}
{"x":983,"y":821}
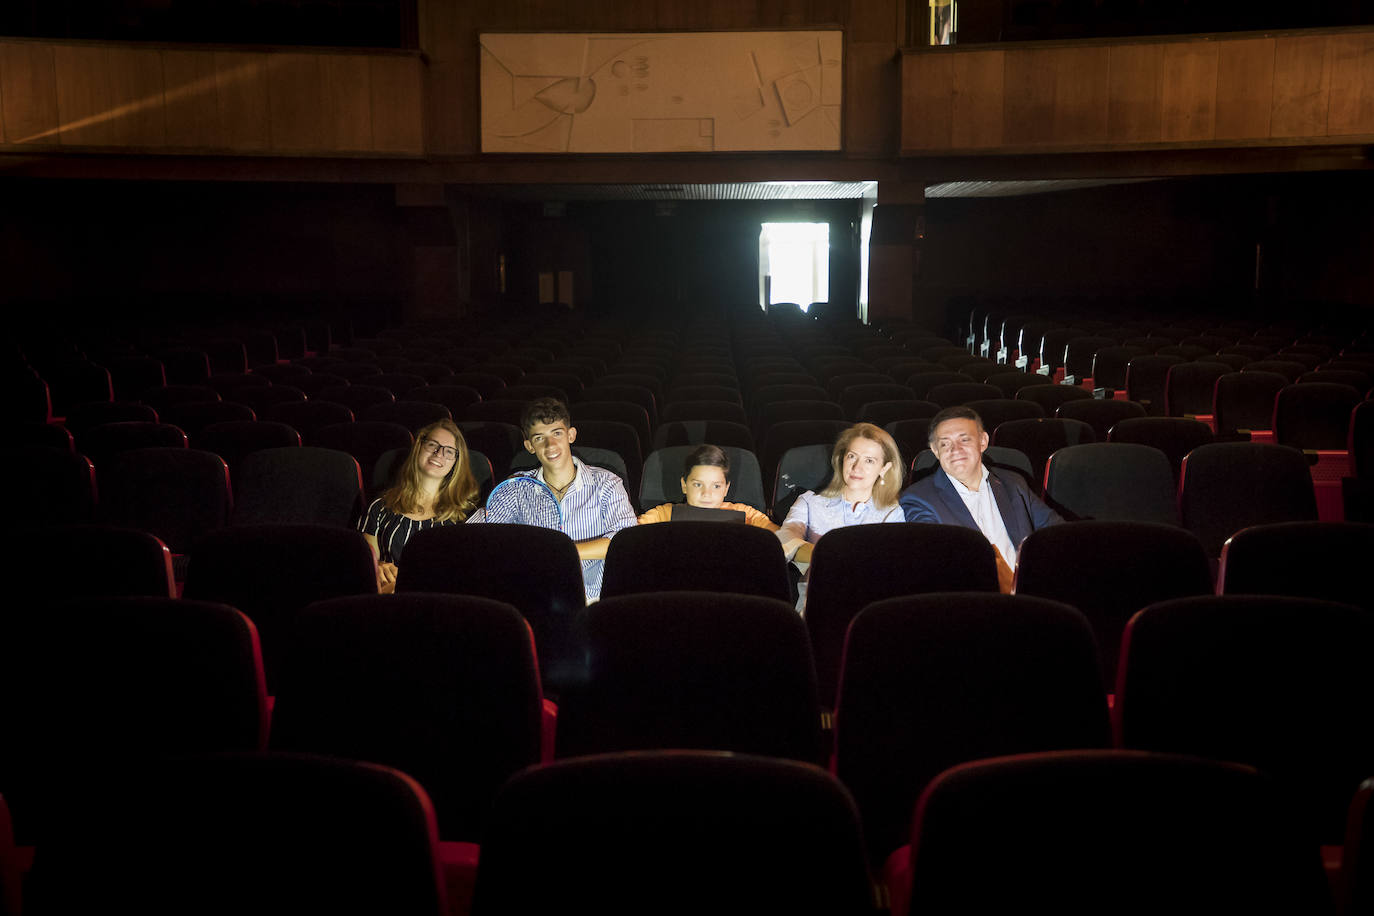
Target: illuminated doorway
{"x":794,"y":263}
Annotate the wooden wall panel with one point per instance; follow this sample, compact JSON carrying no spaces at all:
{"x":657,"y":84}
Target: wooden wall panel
{"x":874,"y":20}
{"x":191,"y":100}
{"x":84,"y":97}
{"x":1301,"y":86}
{"x":1081,"y":95}
{"x":298,"y":98}
{"x":136,"y":95}
{"x":1028,"y":109}
{"x":397,"y":105}
{"x":243,"y":106}
{"x":976,"y":116}
{"x":926,"y":108}
{"x":1133,"y":93}
{"x":1245,"y":88}
{"x":1188,"y":80}
{"x":1352,"y":85}
{"x":349,"y":85}
{"x":29,"y":96}
{"x":870,"y":97}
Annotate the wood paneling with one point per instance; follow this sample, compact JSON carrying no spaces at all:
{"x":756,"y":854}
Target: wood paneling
{"x":1133,"y":93}
{"x":349,"y":82}
{"x":1220,"y":90}
{"x":926,"y":109}
{"x":1301,"y":86}
{"x":84,"y":97}
{"x":874,"y":20}
{"x":298,"y":98}
{"x":192,"y":100}
{"x":1080,"y":95}
{"x":1352,"y":85}
{"x":136,"y":94}
{"x":243,"y":107}
{"x":397,"y":118}
{"x":1028,"y":109}
{"x":1188,"y":81}
{"x":978,"y":99}
{"x":1245,"y":88}
{"x":870,"y":95}
{"x":29,"y":92}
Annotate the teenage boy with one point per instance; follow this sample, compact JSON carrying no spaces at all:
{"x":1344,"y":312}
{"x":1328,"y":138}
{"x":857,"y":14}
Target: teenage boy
{"x":593,"y":500}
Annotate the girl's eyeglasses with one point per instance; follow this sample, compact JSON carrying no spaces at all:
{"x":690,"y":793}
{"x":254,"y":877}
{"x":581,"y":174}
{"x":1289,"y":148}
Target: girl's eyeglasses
{"x":431,"y":447}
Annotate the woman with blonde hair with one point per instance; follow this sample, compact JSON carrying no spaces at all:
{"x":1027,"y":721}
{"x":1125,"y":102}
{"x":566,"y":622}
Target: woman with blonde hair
{"x":863,"y":490}
{"x":435,"y":487}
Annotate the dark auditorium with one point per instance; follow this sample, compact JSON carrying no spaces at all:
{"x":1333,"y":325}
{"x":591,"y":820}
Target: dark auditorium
{"x":889,"y":457}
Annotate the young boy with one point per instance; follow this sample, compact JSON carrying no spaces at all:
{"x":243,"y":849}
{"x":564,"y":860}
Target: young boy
{"x":594,"y":503}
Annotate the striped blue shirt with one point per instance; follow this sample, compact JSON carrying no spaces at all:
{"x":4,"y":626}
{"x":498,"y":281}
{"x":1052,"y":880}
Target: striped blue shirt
{"x":595,"y":506}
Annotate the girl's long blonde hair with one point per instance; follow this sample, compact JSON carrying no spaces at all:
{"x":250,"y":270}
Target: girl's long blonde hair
{"x":886,"y":490}
{"x":457,"y":495}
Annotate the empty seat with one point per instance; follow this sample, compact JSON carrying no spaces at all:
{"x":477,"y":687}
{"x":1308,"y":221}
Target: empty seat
{"x":854,"y":397}
{"x":1302,"y":559}
{"x":954,"y":393}
{"x":193,"y":416}
{"x":1110,"y":570}
{"x":930,"y":681}
{"x":1013,"y":381}
{"x":307,"y":416}
{"x":1189,"y":388}
{"x":81,"y":417}
{"x":177,"y":494}
{"x":881,"y":413}
{"x":1227,"y":486}
{"x":702,"y":556}
{"x":698,"y":669}
{"x":85,"y":680}
{"x":1289,"y":369}
{"x":1066,"y":831}
{"x":696,"y":432}
{"x":1314,"y":415}
{"x":1279,"y":683}
{"x":443,"y":687}
{"x":81,"y":561}
{"x":243,"y":833}
{"x":1100,"y":414}
{"x":52,"y":484}
{"x":102,"y":443}
{"x":410,"y":414}
{"x":1051,"y":396}
{"x":272,"y":572}
{"x":1112,"y":481}
{"x":851,"y":567}
{"x":307,"y":485}
{"x":366,"y":440}
{"x":1174,"y":436}
{"x":1146,"y":380}
{"x":715,"y":832}
{"x":1038,"y":439}
{"x":1244,"y":401}
{"x":998,"y":410}
{"x":535,"y":569}
{"x":234,"y":439}
{"x":357,"y":397}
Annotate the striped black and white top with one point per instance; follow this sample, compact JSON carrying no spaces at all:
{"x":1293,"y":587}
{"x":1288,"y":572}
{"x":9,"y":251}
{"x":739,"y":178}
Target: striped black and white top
{"x":392,"y":530}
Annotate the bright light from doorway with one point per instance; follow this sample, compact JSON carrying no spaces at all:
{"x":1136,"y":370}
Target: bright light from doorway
{"x":794,"y":263}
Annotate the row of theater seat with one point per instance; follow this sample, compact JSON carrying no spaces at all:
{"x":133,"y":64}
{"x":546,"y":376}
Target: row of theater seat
{"x":446,"y":689}
{"x":1114,"y":561}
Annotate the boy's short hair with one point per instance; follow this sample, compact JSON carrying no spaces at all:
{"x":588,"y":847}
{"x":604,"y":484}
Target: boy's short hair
{"x":543,"y":411}
{"x":709,"y":455}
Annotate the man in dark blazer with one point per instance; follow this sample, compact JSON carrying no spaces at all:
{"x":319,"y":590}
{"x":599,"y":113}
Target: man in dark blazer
{"x":964,"y":491}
